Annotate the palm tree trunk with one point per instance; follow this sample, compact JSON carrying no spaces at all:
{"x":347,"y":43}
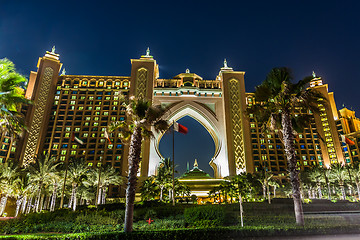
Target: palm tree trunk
{"x":41,"y":202}
{"x":358,"y":188}
{"x":268,"y":193}
{"x":74,"y":201}
{"x":292,"y":165}
{"x":241,"y":210}
{"x":342,"y":190}
{"x":264,"y":191}
{"x":3,"y":204}
{"x":72,"y":196}
{"x":53,"y":198}
{"x":18,"y":204}
{"x":29,"y":204}
{"x":274,"y":191}
{"x":161,"y":192}
{"x":103,"y":197}
{"x":320,"y":192}
{"x":134,"y":160}
{"x":329,"y":190}
{"x":23,"y":208}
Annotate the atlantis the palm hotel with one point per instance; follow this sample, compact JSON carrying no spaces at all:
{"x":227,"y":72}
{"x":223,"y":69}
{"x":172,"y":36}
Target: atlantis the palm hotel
{"x":68,"y":106}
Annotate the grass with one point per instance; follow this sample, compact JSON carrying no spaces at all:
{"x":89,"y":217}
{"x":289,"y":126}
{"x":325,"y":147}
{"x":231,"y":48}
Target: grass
{"x":260,"y":219}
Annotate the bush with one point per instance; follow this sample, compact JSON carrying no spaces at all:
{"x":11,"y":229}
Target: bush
{"x":205,"y":215}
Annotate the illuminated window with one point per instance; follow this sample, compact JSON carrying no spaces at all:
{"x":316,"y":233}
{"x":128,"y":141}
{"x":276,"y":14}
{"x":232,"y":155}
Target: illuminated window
{"x":90,"y":164}
{"x":67,"y":134}
{"x":74,"y":146}
{"x":85,"y":135}
{"x":57,"y":97}
{"x":73,"y":152}
{"x":62,"y":158}
{"x":56,"y":102}
{"x":81,"y":108}
{"x":110,"y":146}
{"x":63,"y":152}
{"x":13,"y":149}
{"x":55,"y":146}
{"x":106,"y":113}
{"x":68,"y":129}
{"x":264,"y":157}
{"x":73,"y":97}
{"x":98,"y":108}
{"x":101,"y":83}
{"x":77,"y":129}
{"x":91,"y":98}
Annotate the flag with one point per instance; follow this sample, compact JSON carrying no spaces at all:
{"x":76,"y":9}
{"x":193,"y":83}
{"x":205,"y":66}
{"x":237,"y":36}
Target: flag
{"x":106,"y":135}
{"x":180,"y":128}
{"x":74,"y":138}
{"x":346,"y":140}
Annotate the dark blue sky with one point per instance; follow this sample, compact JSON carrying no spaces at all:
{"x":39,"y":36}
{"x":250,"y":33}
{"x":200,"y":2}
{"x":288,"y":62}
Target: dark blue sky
{"x":100,"y":38}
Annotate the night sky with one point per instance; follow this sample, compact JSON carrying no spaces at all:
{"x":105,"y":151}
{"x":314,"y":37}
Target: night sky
{"x":100,"y":38}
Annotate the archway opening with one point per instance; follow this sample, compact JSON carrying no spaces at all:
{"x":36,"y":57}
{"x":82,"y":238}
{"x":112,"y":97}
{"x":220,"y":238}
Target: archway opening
{"x":196,"y":144}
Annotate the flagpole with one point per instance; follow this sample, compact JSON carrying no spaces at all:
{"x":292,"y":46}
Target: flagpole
{"x":173,"y":167}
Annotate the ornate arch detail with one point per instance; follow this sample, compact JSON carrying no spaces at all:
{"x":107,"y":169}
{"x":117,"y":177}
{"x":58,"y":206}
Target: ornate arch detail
{"x":37,"y":123}
{"x":236,"y":122}
{"x":141,"y":82}
{"x":201,"y":114}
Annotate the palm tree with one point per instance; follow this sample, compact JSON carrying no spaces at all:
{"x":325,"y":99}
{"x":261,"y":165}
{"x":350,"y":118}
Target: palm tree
{"x":11,"y":97}
{"x":78,"y":173}
{"x":149,"y":189}
{"x":108,"y":176}
{"x":242,"y":185}
{"x":9,"y":178}
{"x":338,"y":173}
{"x":141,"y":116}
{"x":264,"y":176}
{"x":42,"y":171}
{"x":164,"y":177}
{"x":278,"y":103}
{"x":355,"y":172}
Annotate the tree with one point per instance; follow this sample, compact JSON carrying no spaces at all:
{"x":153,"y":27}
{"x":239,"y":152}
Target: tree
{"x":11,"y":97}
{"x":42,"y":171}
{"x":285,"y":106}
{"x":164,"y":176}
{"x":338,"y":173}
{"x":355,"y":173}
{"x":78,"y":173}
{"x":149,"y":189}
{"x":242,"y":186}
{"x":141,"y":117}
{"x":264,"y":176}
{"x":108,"y":176}
{"x":9,"y":178}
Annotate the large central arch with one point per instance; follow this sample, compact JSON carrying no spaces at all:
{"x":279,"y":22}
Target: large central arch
{"x":206,"y":117}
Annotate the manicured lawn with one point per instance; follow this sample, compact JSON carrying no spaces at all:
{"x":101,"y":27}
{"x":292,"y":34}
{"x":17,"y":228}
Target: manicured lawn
{"x":186,"y":221}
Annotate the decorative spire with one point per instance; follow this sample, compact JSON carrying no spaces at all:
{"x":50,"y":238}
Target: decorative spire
{"x":226,"y":67}
{"x":187,"y":167}
{"x":195,"y":164}
{"x":187,"y":70}
{"x":147,"y":52}
{"x":63,"y":72}
{"x":314,"y":74}
{"x":53,"y":49}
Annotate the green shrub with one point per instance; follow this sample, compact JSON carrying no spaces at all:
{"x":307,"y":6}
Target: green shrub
{"x":205,"y":215}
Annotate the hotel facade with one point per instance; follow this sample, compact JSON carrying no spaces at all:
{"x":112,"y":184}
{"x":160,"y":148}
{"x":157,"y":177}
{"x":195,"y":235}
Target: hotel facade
{"x":68,"y":107}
